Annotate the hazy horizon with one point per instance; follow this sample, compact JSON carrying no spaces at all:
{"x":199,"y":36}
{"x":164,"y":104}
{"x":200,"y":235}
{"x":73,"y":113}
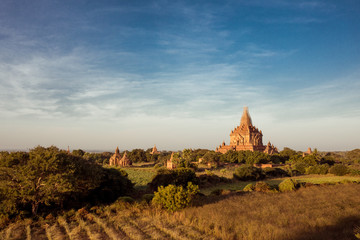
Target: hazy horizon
{"x":101,"y":74}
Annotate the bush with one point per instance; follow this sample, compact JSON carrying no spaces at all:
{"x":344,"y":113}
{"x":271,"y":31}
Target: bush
{"x":300,"y":167}
{"x":288,"y":185}
{"x":275,"y":172}
{"x":262,"y":187}
{"x":174,"y":198}
{"x":249,"y":188}
{"x":339,"y":170}
{"x":354,"y":172}
{"x":208,"y":180}
{"x":126,"y":199}
{"x":317,"y":169}
{"x":147,"y":197}
{"x":178,"y":177}
{"x":248,"y":173}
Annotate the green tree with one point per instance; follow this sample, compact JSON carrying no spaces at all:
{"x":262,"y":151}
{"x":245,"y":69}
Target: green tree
{"x":137,"y":155}
{"x":47,"y":176}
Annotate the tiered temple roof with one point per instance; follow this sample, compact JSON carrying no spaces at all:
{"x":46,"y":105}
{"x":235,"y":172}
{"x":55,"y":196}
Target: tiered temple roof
{"x":154,"y":150}
{"x":117,"y":160}
{"x":246,"y":137}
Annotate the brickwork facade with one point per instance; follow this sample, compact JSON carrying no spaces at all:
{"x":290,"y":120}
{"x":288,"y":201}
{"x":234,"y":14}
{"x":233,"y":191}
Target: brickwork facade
{"x":246,"y":137}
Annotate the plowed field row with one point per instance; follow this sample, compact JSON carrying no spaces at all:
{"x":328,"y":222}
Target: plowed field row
{"x":111,"y":226}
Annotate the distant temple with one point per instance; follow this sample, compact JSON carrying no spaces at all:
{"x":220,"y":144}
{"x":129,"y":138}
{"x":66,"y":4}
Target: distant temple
{"x":246,"y":137}
{"x":169,"y":163}
{"x":154,"y":150}
{"x":308,"y":152}
{"x":125,"y":161}
{"x":117,"y":160}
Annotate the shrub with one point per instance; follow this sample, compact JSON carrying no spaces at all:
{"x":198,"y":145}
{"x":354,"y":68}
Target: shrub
{"x":179,"y":176}
{"x":174,"y":198}
{"x":288,"y":185}
{"x":354,"y":172}
{"x":126,"y":199}
{"x":262,"y":187}
{"x":147,"y":197}
{"x":249,"y":188}
{"x":275,"y":172}
{"x":208,"y":180}
{"x":300,"y":167}
{"x":339,"y":170}
{"x":248,"y":173}
{"x":317,"y":169}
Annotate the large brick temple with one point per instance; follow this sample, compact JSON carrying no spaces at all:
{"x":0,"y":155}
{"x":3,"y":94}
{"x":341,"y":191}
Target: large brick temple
{"x":246,"y":137}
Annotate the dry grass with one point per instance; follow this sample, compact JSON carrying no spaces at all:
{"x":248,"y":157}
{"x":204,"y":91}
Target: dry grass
{"x":326,"y":212}
{"x":315,"y":179}
{"x":317,"y":212}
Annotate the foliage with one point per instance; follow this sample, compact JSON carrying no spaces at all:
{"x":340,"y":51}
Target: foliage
{"x":300,"y":167}
{"x":137,"y":155}
{"x":48,"y":177}
{"x":275,"y":172}
{"x":178,"y":176}
{"x":288,"y":185}
{"x":249,"y":188}
{"x":317,"y":169}
{"x":230,"y":156}
{"x":247,"y":157}
{"x":353,"y":156}
{"x":212,"y":157}
{"x":339,"y":170}
{"x":288,"y":153}
{"x":99,"y":158}
{"x":354,"y":171}
{"x":113,"y":183}
{"x":256,"y":157}
{"x":262,"y":187}
{"x":211,"y":179}
{"x":248,"y":173}
{"x":174,"y":198}
{"x":78,"y":152}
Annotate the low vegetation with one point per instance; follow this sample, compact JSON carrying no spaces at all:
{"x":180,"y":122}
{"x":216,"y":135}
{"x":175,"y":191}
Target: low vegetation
{"x":289,"y":201}
{"x":303,"y":214}
{"x":174,"y":198}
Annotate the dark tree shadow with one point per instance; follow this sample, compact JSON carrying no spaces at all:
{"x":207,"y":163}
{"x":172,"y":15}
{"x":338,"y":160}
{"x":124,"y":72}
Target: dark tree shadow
{"x":342,"y":230}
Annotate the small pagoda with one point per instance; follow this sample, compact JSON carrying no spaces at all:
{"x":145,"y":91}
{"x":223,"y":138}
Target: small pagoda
{"x":169,"y":163}
{"x":125,"y":161}
{"x":115,"y":159}
{"x":154,"y":150}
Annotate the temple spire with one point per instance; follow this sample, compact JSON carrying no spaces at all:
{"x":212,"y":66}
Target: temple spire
{"x":245,"y":118}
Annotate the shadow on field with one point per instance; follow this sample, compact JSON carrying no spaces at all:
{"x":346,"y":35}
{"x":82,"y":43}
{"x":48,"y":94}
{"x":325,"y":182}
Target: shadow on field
{"x":343,"y":229}
{"x":146,"y":165}
{"x":202,"y":200}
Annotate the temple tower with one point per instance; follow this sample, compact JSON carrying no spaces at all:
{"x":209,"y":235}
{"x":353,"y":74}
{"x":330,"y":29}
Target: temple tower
{"x":245,"y":137}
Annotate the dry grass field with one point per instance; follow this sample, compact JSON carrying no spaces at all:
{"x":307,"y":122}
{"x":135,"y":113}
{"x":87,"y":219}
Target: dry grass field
{"x":317,"y":212}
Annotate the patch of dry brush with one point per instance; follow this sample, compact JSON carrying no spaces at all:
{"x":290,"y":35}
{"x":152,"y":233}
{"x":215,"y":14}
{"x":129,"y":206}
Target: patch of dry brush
{"x":323,"y":212}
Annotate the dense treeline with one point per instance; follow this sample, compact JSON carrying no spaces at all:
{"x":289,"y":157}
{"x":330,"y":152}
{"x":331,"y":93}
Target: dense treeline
{"x":47,"y":178}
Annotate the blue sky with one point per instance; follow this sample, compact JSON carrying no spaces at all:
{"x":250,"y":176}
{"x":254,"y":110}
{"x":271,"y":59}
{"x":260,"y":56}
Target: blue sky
{"x":101,"y":74}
